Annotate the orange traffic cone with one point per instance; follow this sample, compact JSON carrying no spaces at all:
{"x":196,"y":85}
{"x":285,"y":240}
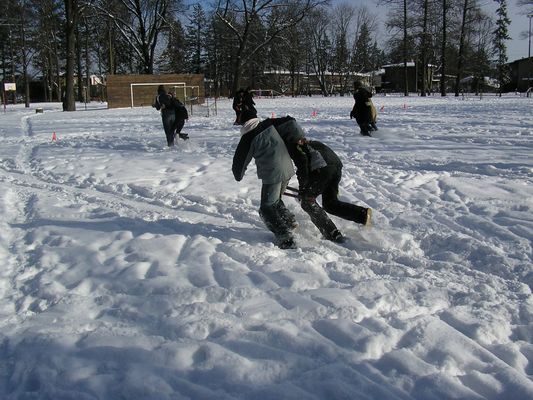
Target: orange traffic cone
{"x":54,"y":137}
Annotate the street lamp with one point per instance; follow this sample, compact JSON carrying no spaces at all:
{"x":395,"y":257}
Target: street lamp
{"x":530,"y":15}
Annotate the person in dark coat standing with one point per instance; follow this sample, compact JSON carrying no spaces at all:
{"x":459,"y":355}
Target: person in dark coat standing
{"x":238,"y":100}
{"x":261,"y":141}
{"x":319,"y":172}
{"x":163,"y":103}
{"x":362,"y":109}
{"x":248,"y":101}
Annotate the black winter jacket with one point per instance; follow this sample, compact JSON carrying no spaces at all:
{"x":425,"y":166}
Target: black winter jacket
{"x":311,"y":157}
{"x":362,"y":111}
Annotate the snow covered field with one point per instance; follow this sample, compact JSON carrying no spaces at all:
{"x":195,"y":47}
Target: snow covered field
{"x":133,"y":271}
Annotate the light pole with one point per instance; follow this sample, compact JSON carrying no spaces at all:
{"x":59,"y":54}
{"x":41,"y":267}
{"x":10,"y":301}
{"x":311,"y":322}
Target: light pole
{"x":530,"y":15}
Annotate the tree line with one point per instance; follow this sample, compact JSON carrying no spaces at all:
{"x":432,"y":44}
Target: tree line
{"x":232,"y":42}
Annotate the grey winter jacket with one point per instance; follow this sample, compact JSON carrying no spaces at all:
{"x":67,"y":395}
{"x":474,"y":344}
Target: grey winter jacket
{"x":264,"y":144}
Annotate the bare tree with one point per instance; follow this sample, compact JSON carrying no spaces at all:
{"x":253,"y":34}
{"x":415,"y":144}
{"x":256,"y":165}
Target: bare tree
{"x":526,"y":7}
{"x":343,"y":18}
{"x":250,"y":12}
{"x":399,"y":19}
{"x":141,"y":26}
{"x":317,"y":26}
{"x":482,"y":45}
{"x":468,"y":21}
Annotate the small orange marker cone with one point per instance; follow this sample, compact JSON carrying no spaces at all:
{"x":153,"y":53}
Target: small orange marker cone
{"x":54,"y":137}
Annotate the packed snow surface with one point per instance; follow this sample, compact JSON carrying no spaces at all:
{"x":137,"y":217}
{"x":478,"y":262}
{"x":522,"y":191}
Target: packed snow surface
{"x":133,"y":271}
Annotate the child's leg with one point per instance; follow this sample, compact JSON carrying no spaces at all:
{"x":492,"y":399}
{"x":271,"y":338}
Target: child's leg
{"x":341,"y":209}
{"x":272,"y":215}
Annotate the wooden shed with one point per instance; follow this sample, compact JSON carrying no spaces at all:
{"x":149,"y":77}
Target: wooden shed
{"x":140,"y":90}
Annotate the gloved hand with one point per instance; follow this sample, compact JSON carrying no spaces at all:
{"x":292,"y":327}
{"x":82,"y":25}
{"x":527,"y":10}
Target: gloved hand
{"x":305,"y":193}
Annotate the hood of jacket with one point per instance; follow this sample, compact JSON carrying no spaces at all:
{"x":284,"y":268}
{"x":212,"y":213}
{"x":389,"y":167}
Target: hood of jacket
{"x":250,"y":125}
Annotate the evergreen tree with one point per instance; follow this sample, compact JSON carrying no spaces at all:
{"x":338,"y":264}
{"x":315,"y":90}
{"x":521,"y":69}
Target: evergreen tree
{"x":363,"y":50}
{"x":173,"y":58}
{"x":195,"y":39}
{"x":501,"y":34}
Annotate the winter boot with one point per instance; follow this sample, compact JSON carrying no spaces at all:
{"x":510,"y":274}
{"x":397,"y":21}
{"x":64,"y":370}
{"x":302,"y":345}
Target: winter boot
{"x":275,"y":223}
{"x":367,"y":221}
{"x":335,"y":236}
{"x":287,"y":243}
{"x":184,"y":136}
{"x":287,"y":216}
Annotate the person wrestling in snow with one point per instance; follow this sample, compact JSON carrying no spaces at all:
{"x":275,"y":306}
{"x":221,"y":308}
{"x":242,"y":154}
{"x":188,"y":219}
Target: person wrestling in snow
{"x":319,"y":172}
{"x":261,"y":141}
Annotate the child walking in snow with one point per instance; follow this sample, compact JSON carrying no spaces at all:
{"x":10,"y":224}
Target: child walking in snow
{"x":261,"y":141}
{"x":363,"y":109}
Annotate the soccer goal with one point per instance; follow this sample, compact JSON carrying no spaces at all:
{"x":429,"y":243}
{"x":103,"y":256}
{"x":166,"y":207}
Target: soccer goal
{"x":258,"y":93}
{"x":143,"y":87}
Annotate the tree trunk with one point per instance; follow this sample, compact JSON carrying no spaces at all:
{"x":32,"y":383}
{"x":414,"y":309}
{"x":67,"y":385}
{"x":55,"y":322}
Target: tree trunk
{"x":111,"y":49}
{"x":79,"y":77}
{"x":460,"y":60}
{"x":25,"y":65}
{"x":405,"y":76}
{"x":443,"y":51}
{"x":87,"y":64}
{"x":71,"y":7}
{"x":424,"y":88}
{"x":236,"y":76}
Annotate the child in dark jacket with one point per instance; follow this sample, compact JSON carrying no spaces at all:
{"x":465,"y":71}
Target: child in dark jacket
{"x":319,"y":172}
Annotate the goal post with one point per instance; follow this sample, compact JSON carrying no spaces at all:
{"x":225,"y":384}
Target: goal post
{"x":190,"y":95}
